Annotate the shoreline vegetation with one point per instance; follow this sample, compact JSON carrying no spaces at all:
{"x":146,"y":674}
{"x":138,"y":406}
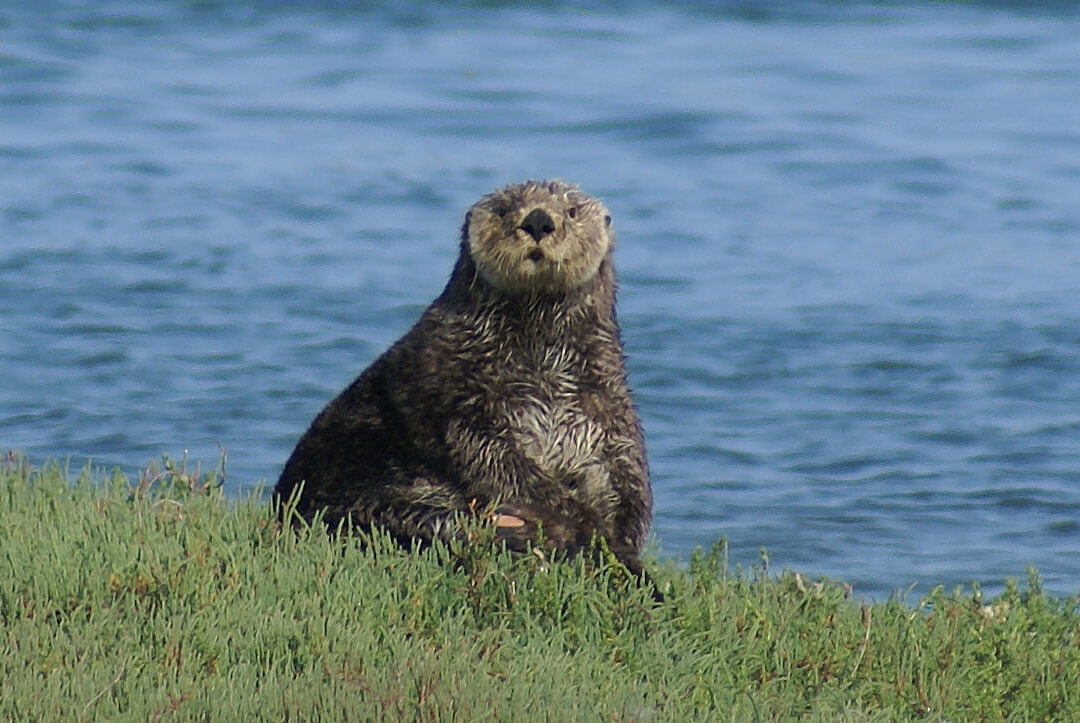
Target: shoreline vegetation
{"x":159,"y":599}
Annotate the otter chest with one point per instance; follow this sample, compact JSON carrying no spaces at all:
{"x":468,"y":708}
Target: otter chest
{"x":565,"y":445}
{"x":545,"y":414}
{"x":560,"y":439}
{"x":542,"y":412}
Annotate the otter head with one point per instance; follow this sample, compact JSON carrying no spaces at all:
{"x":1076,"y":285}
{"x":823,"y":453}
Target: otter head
{"x":538,"y":236}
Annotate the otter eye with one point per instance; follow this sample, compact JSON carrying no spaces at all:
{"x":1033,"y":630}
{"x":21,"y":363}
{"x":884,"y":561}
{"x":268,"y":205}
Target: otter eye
{"x":607,"y":220}
{"x":501,"y":211}
{"x":572,"y":212}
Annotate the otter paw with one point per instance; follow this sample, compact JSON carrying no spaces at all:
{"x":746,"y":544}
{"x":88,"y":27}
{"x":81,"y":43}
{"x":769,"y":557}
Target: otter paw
{"x":521,"y":526}
{"x":502,"y":520}
{"x":514,"y":528}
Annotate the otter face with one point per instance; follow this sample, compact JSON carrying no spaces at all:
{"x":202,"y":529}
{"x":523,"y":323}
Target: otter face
{"x":542,"y":236}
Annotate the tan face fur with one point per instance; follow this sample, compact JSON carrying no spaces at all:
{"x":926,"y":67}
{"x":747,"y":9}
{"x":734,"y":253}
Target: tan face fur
{"x":544,"y":236}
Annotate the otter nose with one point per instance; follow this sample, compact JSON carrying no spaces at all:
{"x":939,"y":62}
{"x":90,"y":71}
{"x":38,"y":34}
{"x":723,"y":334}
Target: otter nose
{"x":537,"y":224}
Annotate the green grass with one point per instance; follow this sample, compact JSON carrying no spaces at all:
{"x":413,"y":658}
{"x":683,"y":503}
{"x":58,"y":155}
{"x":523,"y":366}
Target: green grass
{"x":157,"y":599}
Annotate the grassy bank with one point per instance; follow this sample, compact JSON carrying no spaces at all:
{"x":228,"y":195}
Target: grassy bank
{"x":158,"y":600}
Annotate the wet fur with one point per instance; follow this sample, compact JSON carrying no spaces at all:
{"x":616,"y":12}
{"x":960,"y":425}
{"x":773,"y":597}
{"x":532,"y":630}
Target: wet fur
{"x":510,"y":390}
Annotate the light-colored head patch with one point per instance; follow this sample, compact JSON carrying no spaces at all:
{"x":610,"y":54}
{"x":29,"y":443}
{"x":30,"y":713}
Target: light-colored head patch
{"x":543,"y":236}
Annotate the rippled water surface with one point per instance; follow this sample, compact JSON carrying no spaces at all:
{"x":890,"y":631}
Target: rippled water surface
{"x":849,"y":246}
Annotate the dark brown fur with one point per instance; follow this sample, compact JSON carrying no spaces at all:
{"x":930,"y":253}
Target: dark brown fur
{"x":510,"y":390}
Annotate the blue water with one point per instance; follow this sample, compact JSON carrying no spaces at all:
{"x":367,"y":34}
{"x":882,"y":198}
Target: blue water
{"x":849,"y":246}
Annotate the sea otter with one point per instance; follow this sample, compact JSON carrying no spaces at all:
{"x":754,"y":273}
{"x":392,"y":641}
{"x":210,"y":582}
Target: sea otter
{"x":509,"y":393}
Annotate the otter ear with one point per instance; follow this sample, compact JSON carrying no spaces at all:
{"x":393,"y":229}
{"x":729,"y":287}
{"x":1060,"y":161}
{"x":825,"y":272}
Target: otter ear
{"x":468,"y":216}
